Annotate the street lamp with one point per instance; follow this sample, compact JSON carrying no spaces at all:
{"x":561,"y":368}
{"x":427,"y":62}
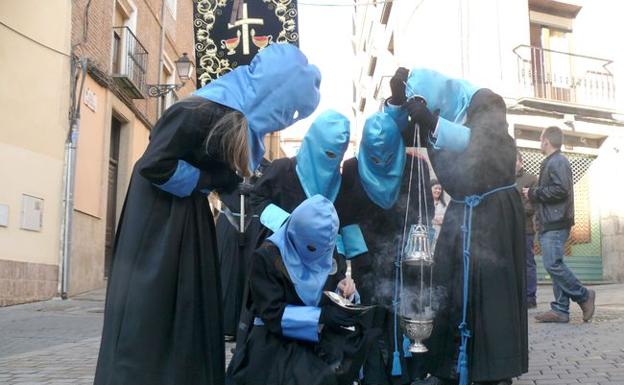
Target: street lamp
{"x":184,"y":68}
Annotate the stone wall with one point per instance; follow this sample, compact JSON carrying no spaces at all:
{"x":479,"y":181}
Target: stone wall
{"x":22,"y":282}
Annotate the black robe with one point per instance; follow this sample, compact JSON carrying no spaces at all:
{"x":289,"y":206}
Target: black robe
{"x":235,"y":251}
{"x":163,"y":319}
{"x":497,"y":315}
{"x":374,"y":272}
{"x":266,"y":357}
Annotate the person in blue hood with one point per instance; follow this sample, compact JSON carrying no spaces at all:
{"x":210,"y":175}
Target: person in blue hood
{"x":372,"y":200}
{"x":296,"y":338}
{"x":480,"y":332}
{"x":314,"y":170}
{"x":163,"y":316}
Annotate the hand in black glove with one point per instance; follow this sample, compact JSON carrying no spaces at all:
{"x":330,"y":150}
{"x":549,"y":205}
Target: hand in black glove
{"x":333,"y":316}
{"x":397,"y":85}
{"x":245,"y":188}
{"x":420,"y":114}
{"x":221,"y":179}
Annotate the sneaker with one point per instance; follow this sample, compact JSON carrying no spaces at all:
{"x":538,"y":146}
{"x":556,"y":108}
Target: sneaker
{"x":552,"y":316}
{"x":531,"y":303}
{"x":589,"y":306}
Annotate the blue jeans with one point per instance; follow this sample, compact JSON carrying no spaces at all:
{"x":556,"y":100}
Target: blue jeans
{"x":565,"y":284}
{"x":531,"y":268}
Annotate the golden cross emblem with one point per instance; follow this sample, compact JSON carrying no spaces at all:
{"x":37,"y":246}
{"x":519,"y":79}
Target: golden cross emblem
{"x":244,"y":23}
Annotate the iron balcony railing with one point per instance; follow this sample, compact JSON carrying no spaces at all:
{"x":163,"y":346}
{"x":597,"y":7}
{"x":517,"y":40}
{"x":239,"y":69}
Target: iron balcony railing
{"x":565,"y":77}
{"x":129,"y":62}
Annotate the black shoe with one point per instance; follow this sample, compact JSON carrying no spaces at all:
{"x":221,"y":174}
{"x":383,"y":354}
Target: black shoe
{"x":531,"y":303}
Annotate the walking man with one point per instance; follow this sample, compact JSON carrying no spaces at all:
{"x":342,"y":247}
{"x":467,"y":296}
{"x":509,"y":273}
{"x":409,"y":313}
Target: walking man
{"x":526,"y":180}
{"x":553,"y":198}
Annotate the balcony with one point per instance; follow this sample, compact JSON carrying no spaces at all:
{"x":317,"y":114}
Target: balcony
{"x":129,"y":62}
{"x":565,"y":78}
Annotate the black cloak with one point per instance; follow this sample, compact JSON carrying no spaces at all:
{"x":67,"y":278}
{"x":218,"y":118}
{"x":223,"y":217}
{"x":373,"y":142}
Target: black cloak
{"x":163,"y":318}
{"x":497,"y":312}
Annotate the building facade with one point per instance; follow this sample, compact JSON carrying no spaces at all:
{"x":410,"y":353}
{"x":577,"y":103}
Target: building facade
{"x":127,"y":45}
{"x":34,"y":102}
{"x":553,"y":62}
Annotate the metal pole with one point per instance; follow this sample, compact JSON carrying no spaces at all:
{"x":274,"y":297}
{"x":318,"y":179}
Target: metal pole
{"x":71,"y":145}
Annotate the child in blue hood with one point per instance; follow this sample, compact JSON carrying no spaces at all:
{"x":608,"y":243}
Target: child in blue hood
{"x":314,"y":170}
{"x":163,"y":315}
{"x":296,"y":339}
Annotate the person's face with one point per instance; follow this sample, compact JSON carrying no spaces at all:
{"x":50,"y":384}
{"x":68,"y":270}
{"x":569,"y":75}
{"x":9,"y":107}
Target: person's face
{"x":518,"y":164}
{"x":544,"y":143}
{"x":436,"y":191}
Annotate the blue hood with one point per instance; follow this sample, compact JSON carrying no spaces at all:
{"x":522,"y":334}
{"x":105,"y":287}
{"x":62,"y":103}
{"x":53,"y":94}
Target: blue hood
{"x":450,"y":96}
{"x":381,"y":159}
{"x":322,"y":149}
{"x":275,"y":90}
{"x":306,"y":242}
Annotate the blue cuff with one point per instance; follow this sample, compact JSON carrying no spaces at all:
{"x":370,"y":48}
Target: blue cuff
{"x":353,"y":239}
{"x":451,"y":136}
{"x":273,"y":217}
{"x":301,"y":322}
{"x":183,"y":181}
{"x":398,"y":113}
{"x":340,"y":248}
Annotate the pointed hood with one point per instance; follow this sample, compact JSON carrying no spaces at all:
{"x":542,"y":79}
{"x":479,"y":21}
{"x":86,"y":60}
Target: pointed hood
{"x":381,"y":159}
{"x":278,"y":88}
{"x":306,"y":243}
{"x":320,"y":155}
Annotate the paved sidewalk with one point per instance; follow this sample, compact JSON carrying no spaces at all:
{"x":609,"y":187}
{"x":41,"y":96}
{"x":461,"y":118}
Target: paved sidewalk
{"x":56,"y":343}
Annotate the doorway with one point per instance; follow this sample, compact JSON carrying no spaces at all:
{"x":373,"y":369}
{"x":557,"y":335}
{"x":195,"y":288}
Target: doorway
{"x":111,"y":200}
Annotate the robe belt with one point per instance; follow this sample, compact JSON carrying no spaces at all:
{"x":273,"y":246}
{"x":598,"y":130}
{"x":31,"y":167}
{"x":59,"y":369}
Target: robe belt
{"x":469,"y":202}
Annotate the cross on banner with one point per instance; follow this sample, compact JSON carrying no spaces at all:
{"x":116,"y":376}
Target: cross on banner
{"x":244,"y":23}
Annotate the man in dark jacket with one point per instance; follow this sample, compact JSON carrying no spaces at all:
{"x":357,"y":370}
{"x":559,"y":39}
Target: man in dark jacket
{"x":526,"y":180}
{"x":554,"y":201}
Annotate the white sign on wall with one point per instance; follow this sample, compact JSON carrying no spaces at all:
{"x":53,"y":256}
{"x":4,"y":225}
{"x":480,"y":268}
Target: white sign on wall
{"x":90,"y":99}
{"x":4,"y":215}
{"x":32,"y":213}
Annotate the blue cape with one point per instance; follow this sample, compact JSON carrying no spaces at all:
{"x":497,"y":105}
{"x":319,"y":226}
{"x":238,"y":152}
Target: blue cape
{"x":381,"y":159}
{"x":322,"y":149}
{"x":306,"y":242}
{"x":274,"y":91}
{"x":450,"y":96}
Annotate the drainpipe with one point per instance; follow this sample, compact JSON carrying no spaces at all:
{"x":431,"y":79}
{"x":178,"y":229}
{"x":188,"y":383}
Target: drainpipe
{"x":71,"y":144}
{"x":161,"y":62}
{"x":78,"y":71}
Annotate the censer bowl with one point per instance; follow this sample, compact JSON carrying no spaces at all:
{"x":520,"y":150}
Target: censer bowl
{"x":417,"y":330}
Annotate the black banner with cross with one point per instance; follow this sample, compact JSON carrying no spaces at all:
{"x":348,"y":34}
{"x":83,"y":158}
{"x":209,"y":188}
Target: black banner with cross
{"x":228,"y":33}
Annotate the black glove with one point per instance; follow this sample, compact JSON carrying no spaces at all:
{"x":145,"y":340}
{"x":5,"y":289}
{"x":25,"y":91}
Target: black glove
{"x":221,"y":179}
{"x":333,"y":316}
{"x":397,"y":85}
{"x":245,"y":188}
{"x":419,"y":113}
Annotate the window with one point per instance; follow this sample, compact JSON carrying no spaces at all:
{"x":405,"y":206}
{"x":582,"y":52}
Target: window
{"x":167,"y":77}
{"x":172,"y":5}
{"x":385,"y":12}
{"x":372,"y":65}
{"x":116,"y":52}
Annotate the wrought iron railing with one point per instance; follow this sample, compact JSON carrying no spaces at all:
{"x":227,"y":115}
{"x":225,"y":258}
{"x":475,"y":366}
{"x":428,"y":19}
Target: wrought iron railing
{"x":129,"y":62}
{"x":565,"y":77}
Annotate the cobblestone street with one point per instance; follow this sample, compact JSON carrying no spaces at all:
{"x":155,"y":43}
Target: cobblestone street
{"x":56,"y":342}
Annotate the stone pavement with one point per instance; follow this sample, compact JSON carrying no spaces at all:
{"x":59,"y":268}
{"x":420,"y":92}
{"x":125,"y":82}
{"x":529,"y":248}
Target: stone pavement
{"x":56,"y":342}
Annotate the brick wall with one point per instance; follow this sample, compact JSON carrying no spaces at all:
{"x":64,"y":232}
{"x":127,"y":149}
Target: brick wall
{"x":179,"y":39}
